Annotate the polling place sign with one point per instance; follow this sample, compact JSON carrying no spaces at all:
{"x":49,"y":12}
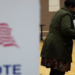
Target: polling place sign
{"x":19,"y":37}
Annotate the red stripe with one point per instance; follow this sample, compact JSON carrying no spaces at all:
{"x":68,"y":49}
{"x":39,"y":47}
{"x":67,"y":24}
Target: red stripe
{"x":11,"y":45}
{"x":5,"y":24}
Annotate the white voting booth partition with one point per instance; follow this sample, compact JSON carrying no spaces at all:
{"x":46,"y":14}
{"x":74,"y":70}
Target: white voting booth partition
{"x":19,"y":37}
{"x":74,"y":23}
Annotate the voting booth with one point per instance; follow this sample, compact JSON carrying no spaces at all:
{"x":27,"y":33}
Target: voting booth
{"x":19,"y":37}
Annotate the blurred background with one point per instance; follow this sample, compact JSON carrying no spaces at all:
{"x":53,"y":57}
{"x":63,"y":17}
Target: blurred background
{"x":48,"y":9}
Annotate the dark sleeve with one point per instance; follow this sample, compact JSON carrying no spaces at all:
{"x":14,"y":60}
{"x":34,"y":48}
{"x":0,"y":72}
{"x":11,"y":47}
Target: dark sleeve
{"x":66,"y":27}
{"x":74,"y":17}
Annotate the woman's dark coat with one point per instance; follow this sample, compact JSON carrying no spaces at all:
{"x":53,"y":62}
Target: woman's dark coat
{"x":58,"y":43}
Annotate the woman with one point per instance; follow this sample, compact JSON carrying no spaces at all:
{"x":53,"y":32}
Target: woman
{"x":57,"y":49}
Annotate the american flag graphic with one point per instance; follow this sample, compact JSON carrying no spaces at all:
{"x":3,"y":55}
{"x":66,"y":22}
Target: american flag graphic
{"x":5,"y":36}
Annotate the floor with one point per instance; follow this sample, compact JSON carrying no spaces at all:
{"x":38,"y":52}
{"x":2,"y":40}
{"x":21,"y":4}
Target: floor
{"x":45,"y":71}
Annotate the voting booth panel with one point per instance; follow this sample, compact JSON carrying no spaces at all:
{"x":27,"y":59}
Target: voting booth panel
{"x":19,"y":37}
{"x":74,"y":20}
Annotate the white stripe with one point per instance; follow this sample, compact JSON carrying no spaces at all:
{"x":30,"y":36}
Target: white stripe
{"x":45,"y":31}
{"x":44,"y":37}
